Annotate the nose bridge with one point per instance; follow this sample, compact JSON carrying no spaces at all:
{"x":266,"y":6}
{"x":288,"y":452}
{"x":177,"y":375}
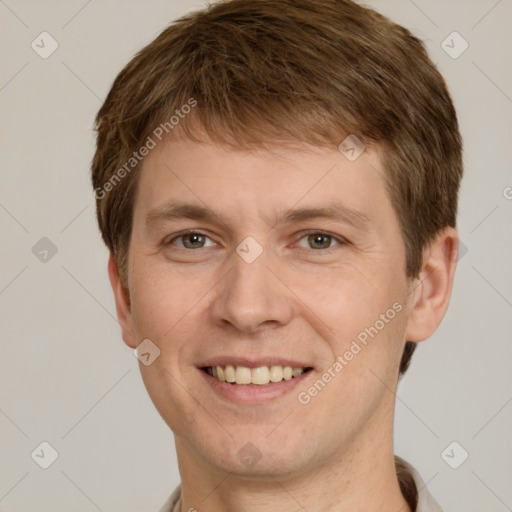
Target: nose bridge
{"x":251,"y":295}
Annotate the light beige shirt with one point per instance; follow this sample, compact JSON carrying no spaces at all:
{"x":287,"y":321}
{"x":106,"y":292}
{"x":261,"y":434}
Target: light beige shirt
{"x":413,"y":489}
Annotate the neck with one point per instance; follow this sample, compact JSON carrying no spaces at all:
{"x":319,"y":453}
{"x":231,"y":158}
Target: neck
{"x":363,"y":478}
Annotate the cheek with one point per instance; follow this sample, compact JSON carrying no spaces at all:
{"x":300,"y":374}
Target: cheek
{"x":162,"y":301}
{"x":348,"y":301}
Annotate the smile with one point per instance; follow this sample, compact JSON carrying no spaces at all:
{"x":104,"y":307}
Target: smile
{"x":260,"y":376}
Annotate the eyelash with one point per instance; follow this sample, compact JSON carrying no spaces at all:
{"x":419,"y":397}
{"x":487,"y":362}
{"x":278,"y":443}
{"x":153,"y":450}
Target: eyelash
{"x":340,"y":240}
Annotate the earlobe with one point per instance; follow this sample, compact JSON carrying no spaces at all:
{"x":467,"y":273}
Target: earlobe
{"x":123,"y":305}
{"x":431,"y":291}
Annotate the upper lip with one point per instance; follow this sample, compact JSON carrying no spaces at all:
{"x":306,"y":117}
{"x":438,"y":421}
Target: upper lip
{"x":252,"y":362}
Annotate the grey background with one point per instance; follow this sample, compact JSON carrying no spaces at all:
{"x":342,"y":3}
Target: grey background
{"x":67,"y":378}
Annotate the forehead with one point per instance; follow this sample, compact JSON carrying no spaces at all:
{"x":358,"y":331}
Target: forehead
{"x":181,"y":173}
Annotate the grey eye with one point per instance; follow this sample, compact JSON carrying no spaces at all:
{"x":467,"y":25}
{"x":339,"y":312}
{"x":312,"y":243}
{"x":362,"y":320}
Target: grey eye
{"x":318,"y":240}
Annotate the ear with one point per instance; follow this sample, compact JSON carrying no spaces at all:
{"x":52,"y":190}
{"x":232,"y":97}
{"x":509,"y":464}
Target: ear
{"x":432,"y":289}
{"x":123,"y":305}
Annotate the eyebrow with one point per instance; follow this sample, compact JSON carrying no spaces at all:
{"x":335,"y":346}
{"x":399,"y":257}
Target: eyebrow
{"x":334,"y":211}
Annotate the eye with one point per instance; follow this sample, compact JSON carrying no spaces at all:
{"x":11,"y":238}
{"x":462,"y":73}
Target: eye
{"x":190,"y":240}
{"x":313,"y":240}
{"x":319,"y":240}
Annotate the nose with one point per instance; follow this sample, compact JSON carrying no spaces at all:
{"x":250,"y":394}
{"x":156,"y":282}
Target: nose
{"x":252,"y":297}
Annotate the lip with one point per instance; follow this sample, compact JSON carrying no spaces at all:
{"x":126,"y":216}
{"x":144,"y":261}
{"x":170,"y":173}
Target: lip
{"x":253,"y":394}
{"x":253,"y":362}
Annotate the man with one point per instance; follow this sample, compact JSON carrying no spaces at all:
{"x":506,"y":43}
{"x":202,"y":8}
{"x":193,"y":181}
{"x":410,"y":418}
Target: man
{"x":277,"y":183}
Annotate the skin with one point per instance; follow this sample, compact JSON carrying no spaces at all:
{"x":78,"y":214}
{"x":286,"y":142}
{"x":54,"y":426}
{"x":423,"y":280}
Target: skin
{"x":301,"y":298}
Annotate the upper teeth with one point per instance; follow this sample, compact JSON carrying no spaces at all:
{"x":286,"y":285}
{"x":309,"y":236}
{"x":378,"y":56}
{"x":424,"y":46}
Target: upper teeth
{"x":261,"y":375}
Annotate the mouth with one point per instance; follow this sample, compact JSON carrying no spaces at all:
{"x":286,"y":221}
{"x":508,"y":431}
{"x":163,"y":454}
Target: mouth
{"x":258,"y":376}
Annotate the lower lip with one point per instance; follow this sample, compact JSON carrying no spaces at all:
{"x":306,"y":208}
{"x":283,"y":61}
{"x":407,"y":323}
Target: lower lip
{"x":252,"y":393}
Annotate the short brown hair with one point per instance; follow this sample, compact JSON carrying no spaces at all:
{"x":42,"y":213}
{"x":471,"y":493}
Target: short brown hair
{"x":263,"y":71}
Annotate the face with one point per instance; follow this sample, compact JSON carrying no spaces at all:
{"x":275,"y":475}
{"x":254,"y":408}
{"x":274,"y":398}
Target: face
{"x":252,"y":262}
